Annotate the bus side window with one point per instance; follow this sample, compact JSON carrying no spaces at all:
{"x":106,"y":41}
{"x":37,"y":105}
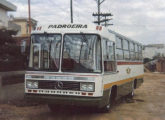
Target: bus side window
{"x":119,"y":49}
{"x":132,"y":51}
{"x":126,"y":49}
{"x":109,"y":56}
{"x":140,"y":53}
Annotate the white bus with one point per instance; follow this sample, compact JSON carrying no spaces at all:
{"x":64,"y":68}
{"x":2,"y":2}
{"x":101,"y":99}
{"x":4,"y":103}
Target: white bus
{"x":84,"y":65}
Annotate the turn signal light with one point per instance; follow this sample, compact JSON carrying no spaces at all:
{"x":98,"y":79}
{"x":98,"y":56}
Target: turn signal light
{"x":90,"y":94}
{"x":29,"y":91}
{"x":83,"y":93}
{"x":35,"y":91}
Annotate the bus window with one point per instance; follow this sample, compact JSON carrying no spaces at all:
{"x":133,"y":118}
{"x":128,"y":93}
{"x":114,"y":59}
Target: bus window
{"x":119,"y":54}
{"x":126,"y":49}
{"x":36,"y":55}
{"x":126,"y":55}
{"x":125,"y":44}
{"x":132,"y":51}
{"x":137,"y":56}
{"x":136,"y":48}
{"x":140,"y":48}
{"x":45,"y":53}
{"x":119,"y":42}
{"x":45,"y":56}
{"x":109,"y":56}
{"x":140,"y":52}
{"x":140,"y":57}
{"x":132,"y":46}
{"x":132,"y":55}
{"x":97,"y":55}
{"x":81,"y":53}
{"x":136,"y":52}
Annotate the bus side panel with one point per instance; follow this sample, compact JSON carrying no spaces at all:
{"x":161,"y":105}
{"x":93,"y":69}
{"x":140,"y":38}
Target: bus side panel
{"x":105,"y":98}
{"x":124,"y":89}
{"x":124,"y":79}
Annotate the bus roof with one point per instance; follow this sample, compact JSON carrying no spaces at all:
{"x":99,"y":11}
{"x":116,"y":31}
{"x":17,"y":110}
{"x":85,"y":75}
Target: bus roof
{"x":74,"y":28}
{"x":123,"y":37}
{"x":80,"y":28}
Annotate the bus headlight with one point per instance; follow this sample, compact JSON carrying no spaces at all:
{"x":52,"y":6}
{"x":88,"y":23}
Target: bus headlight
{"x":32,"y":84}
{"x":88,"y":87}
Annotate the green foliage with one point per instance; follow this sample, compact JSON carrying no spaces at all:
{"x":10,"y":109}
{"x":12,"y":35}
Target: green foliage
{"x":146,"y":60}
{"x":5,"y":38}
{"x":10,"y":54}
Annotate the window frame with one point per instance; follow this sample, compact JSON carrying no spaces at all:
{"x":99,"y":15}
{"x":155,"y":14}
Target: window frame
{"x":134,"y":51}
{"x":122,"y":48}
{"x":114,"y":52}
{"x":31,"y":47}
{"x":117,"y":37}
{"x":62,"y":51}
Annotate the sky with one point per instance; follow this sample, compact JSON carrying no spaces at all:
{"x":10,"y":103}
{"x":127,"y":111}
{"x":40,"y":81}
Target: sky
{"x":140,"y":20}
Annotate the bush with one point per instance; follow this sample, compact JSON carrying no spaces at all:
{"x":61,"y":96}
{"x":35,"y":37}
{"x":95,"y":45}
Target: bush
{"x":10,"y":54}
{"x":146,"y":60}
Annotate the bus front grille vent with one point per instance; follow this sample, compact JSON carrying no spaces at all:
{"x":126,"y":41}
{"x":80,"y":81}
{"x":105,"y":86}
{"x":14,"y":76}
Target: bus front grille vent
{"x":59,"y":85}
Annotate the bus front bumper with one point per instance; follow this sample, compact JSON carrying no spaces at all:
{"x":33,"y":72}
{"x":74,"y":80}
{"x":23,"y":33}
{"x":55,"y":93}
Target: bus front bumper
{"x":65,"y":100}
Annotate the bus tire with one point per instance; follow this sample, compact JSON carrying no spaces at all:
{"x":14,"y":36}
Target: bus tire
{"x":106,"y":108}
{"x":131,"y":94}
{"x":111,"y":102}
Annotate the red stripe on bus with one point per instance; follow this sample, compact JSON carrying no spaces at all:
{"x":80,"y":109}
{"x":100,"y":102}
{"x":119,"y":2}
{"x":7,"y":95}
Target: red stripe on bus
{"x":62,"y":74}
{"x":129,"y":63}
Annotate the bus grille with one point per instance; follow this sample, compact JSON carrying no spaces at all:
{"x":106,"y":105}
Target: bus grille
{"x":59,"y":85}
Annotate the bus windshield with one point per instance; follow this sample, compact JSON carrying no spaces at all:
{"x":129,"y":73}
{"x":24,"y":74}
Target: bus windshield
{"x":81,"y":53}
{"x":45,"y":52}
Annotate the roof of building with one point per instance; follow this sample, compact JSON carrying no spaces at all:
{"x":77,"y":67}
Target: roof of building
{"x":13,"y":26}
{"x":156,"y":45}
{"x":24,"y":19}
{"x":7,"y":5}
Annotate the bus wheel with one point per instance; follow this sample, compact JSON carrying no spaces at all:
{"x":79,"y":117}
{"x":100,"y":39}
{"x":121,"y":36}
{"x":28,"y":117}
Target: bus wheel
{"x":131,"y":94}
{"x":108,"y":107}
{"x":53,"y":107}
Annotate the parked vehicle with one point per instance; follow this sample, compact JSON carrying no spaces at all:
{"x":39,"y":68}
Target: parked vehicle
{"x":84,"y":65}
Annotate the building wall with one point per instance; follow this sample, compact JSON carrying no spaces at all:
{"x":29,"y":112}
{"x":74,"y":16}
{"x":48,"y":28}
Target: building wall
{"x":150,"y":52}
{"x":23,"y":25}
{"x":3,"y":18}
{"x":160,"y":65}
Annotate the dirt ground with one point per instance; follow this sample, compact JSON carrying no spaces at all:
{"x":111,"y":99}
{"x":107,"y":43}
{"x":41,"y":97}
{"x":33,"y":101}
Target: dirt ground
{"x":147,"y":104}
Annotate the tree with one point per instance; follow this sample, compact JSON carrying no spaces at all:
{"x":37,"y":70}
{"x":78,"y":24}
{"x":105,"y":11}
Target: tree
{"x":10,"y":54}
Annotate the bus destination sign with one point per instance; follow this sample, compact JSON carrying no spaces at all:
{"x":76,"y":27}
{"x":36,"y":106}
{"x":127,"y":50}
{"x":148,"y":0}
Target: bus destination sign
{"x":68,"y":26}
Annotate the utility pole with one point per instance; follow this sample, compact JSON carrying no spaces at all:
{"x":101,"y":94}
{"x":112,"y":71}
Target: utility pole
{"x":71,"y":11}
{"x":29,"y":11}
{"x":105,"y":21}
{"x":98,"y":5}
{"x":105,"y":15}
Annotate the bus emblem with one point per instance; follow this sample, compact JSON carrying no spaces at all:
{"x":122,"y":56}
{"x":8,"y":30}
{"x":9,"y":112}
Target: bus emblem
{"x":58,"y":85}
{"x":128,"y":70}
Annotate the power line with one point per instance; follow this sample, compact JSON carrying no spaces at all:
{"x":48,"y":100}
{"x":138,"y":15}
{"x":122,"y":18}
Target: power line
{"x":99,"y":15}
